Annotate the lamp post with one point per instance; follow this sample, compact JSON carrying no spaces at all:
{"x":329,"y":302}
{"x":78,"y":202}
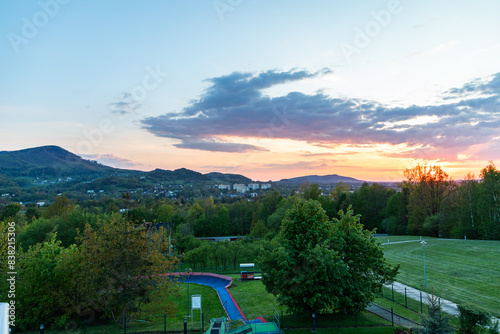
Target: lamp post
{"x":179,"y":279}
{"x":423,"y":249}
{"x":188,"y":271}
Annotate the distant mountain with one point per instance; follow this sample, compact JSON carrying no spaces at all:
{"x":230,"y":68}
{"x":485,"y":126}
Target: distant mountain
{"x":186,"y":175}
{"x":321,"y":179}
{"x":54,"y":161}
{"x":228,"y":178}
{"x":48,"y":161}
{"x":181,"y":174}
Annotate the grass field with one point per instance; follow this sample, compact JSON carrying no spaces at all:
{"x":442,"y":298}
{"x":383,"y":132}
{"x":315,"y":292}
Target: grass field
{"x":458,"y":270}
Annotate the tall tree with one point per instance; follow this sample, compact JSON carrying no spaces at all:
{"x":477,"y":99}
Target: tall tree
{"x":126,"y":263}
{"x":488,"y":202}
{"x":316,"y":264}
{"x":429,"y":187}
{"x":468,"y":197}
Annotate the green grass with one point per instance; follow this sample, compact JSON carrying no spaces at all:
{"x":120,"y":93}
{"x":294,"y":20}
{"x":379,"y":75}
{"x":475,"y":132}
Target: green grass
{"x":253,"y":299}
{"x":461,"y":271}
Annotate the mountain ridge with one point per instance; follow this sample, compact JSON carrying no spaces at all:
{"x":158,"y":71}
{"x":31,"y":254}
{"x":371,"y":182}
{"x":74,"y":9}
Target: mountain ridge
{"x":55,"y":161}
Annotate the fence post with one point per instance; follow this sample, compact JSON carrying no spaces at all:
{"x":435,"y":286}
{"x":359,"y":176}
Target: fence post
{"x":406,"y":299}
{"x":202,"y":322}
{"x":392,"y":292}
{"x":392,"y":316}
{"x":165,"y":323}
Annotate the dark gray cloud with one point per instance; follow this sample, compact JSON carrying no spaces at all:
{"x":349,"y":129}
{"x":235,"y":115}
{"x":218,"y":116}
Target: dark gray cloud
{"x":235,"y":105}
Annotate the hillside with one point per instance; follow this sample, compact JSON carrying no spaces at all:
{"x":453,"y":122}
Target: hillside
{"x":48,"y":161}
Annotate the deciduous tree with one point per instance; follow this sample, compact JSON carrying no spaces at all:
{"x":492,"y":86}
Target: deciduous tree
{"x":320,"y":265}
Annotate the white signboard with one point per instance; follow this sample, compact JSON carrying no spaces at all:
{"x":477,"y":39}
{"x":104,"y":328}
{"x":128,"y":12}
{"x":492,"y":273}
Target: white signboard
{"x":196,"y":302}
{"x":195,"y":305}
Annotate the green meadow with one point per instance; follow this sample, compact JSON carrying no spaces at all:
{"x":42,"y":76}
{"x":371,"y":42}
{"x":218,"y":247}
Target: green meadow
{"x":463,"y":271}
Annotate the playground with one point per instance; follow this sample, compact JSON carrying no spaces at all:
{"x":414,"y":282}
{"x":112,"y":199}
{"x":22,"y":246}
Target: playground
{"x":234,"y":314}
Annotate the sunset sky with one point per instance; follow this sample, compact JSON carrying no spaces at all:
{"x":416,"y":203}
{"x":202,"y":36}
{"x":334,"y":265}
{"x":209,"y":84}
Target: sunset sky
{"x":267,"y":89}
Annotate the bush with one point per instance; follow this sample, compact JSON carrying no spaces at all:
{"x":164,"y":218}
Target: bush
{"x":472,"y":321}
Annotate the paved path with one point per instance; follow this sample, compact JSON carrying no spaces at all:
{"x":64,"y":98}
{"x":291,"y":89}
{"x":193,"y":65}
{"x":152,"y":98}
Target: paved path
{"x":447,"y":306}
{"x":387,"y":315}
{"x":398,"y":242}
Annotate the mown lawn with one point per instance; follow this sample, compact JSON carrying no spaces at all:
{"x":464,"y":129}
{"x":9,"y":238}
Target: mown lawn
{"x":458,"y":270}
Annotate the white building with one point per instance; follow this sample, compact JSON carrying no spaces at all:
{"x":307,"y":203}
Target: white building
{"x":253,"y":186}
{"x":240,"y":188}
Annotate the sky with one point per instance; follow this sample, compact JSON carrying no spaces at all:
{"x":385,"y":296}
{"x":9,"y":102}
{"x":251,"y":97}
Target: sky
{"x":267,"y":89}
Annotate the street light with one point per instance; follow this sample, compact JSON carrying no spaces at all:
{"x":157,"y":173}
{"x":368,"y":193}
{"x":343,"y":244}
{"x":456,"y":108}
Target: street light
{"x":423,"y":249}
{"x":188,"y":271}
{"x":179,"y":278}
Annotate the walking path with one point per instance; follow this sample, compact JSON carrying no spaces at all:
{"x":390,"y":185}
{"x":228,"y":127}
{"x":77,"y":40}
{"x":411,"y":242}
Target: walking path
{"x":447,"y":306}
{"x":391,"y":316}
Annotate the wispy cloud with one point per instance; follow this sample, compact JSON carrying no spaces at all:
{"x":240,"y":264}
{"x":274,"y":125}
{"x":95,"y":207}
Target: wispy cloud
{"x":113,"y":161}
{"x":234,"y":106}
{"x":126,"y":104}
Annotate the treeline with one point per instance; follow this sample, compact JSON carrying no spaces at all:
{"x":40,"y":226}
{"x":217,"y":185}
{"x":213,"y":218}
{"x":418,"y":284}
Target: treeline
{"x":428,"y":202}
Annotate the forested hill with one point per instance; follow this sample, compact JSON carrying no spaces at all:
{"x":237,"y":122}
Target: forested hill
{"x":48,"y":161}
{"x":334,"y":178}
{"x":54,"y":162}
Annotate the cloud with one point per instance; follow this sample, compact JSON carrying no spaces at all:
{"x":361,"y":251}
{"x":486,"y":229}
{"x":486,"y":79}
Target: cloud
{"x":234,"y":106}
{"x":113,"y":160}
{"x":126,"y":104}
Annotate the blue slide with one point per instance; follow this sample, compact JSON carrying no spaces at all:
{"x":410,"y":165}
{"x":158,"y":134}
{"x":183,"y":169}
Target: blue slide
{"x":220,"y":284}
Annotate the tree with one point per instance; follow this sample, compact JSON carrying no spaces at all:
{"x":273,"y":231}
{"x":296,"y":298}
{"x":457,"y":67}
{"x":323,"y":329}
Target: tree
{"x":472,"y":321}
{"x":429,"y":187}
{"x":435,"y":322}
{"x":259,"y":229}
{"x":126,"y":263}
{"x":309,"y":190}
{"x":222,"y":222}
{"x":36,"y":232}
{"x":60,"y":206}
{"x":10,"y":210}
{"x":488,"y":202}
{"x":467,"y":197}
{"x":318,"y":265}
{"x":396,"y":212}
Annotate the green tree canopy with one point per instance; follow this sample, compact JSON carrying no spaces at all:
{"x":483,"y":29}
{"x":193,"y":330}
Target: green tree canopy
{"x":320,"y":265}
